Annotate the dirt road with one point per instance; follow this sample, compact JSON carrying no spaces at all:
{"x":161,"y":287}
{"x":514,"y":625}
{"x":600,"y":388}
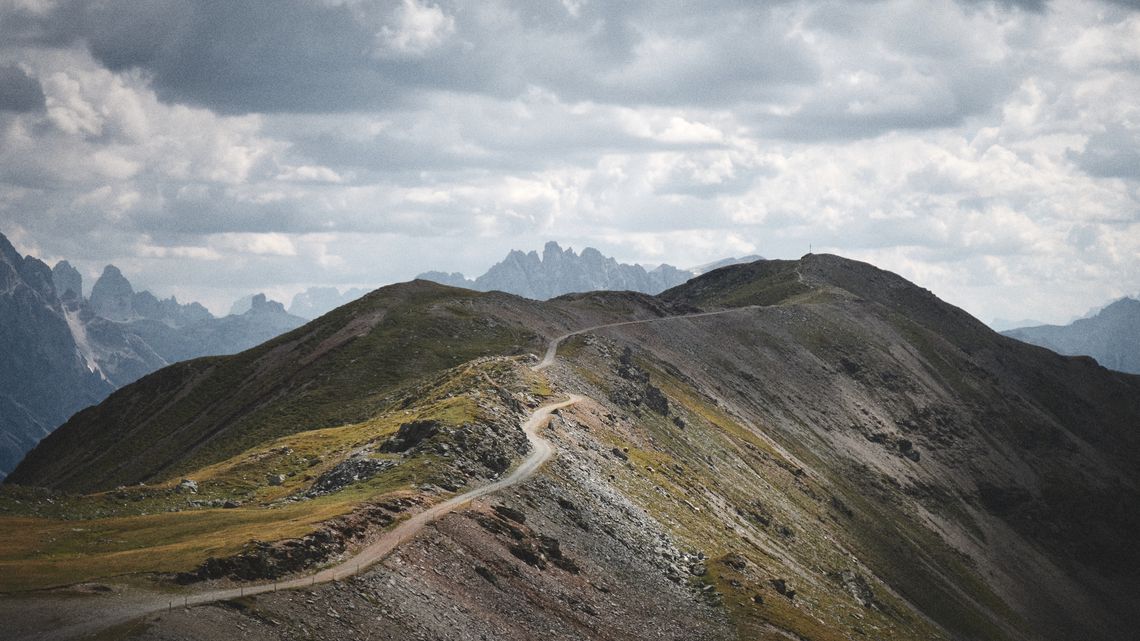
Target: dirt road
{"x":52,"y":619}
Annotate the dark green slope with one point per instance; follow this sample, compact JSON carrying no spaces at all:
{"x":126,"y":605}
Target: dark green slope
{"x":336,"y":369}
{"x":1033,"y":459}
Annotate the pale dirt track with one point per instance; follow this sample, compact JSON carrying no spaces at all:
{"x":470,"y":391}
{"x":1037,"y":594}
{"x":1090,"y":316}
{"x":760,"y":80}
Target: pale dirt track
{"x":71,"y":619}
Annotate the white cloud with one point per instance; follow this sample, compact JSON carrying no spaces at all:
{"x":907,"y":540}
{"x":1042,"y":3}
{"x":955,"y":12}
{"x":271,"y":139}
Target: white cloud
{"x":273,"y":244}
{"x":418,"y":29}
{"x":309,"y":173}
{"x":979,"y":150}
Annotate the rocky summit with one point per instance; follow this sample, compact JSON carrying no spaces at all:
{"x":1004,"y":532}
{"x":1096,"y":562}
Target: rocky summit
{"x":808,"y":449}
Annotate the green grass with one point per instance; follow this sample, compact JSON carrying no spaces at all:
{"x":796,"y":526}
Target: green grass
{"x":141,"y":530}
{"x":343,"y":368}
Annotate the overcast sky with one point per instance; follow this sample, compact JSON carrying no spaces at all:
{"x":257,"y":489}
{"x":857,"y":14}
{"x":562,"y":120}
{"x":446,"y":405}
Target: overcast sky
{"x":989,"y":151}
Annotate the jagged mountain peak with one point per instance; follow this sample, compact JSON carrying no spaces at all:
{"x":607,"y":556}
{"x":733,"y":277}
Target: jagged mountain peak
{"x":67,"y":279}
{"x":111,"y":295}
{"x":559,"y":271}
{"x":8,"y":252}
{"x":62,"y":353}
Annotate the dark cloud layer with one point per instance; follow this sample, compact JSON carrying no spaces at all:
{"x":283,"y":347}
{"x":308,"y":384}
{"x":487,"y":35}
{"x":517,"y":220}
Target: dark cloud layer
{"x":327,"y":57}
{"x":18,"y":91}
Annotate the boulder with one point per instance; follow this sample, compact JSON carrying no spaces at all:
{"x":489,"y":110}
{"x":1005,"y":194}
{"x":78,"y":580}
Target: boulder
{"x":347,"y":472}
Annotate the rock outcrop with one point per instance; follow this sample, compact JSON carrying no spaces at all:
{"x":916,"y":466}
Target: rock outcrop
{"x":112,"y":295}
{"x":44,"y":377}
{"x":68,"y":281}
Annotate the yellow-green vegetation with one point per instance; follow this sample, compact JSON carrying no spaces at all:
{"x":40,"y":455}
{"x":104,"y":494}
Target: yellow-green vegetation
{"x":41,"y":553}
{"x":54,"y":539}
{"x":539,"y":386}
{"x":345,"y":367}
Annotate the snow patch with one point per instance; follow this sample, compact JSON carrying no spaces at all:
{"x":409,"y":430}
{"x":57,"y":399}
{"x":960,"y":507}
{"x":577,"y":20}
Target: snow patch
{"x":82,"y":343}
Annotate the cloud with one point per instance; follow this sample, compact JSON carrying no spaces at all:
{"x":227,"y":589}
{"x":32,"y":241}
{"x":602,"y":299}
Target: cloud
{"x":18,"y":91}
{"x":216,"y":146}
{"x":1115,"y":153}
{"x":418,"y":29}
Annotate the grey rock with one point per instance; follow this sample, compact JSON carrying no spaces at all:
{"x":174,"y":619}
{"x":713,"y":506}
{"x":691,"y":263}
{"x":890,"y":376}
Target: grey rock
{"x":112,"y":295}
{"x":560,"y":271}
{"x":67,"y":280}
{"x":347,"y":472}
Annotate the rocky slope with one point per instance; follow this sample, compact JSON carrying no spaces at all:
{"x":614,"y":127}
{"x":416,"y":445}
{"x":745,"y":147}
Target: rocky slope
{"x":560,"y":271}
{"x":836,"y":455}
{"x":1111,"y":336}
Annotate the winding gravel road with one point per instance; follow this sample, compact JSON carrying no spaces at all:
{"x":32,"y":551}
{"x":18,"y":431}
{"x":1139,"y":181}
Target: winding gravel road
{"x":109,"y":611}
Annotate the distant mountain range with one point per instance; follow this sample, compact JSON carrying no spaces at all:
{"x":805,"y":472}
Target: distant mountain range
{"x":561,"y":271}
{"x":315,"y":302}
{"x":64,"y":352}
{"x":1111,"y":336}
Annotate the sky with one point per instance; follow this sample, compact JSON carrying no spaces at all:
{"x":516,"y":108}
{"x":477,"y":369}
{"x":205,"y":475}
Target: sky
{"x":988,"y":151}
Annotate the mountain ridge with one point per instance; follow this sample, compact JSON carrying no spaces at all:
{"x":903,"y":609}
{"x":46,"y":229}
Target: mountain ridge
{"x":843,"y":443}
{"x":557,"y":271}
{"x":1111,"y":336}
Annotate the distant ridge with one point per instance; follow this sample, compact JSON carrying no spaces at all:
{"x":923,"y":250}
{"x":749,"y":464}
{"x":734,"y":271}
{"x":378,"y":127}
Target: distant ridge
{"x":315,"y":302}
{"x":561,"y":271}
{"x":1111,"y":336}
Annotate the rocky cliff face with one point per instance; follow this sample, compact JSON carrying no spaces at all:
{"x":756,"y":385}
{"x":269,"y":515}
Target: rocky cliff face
{"x":67,"y":280}
{"x":112,"y":296}
{"x":558,"y":271}
{"x":44,"y":377}
{"x":1112,"y":336}
{"x":64,"y":353}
